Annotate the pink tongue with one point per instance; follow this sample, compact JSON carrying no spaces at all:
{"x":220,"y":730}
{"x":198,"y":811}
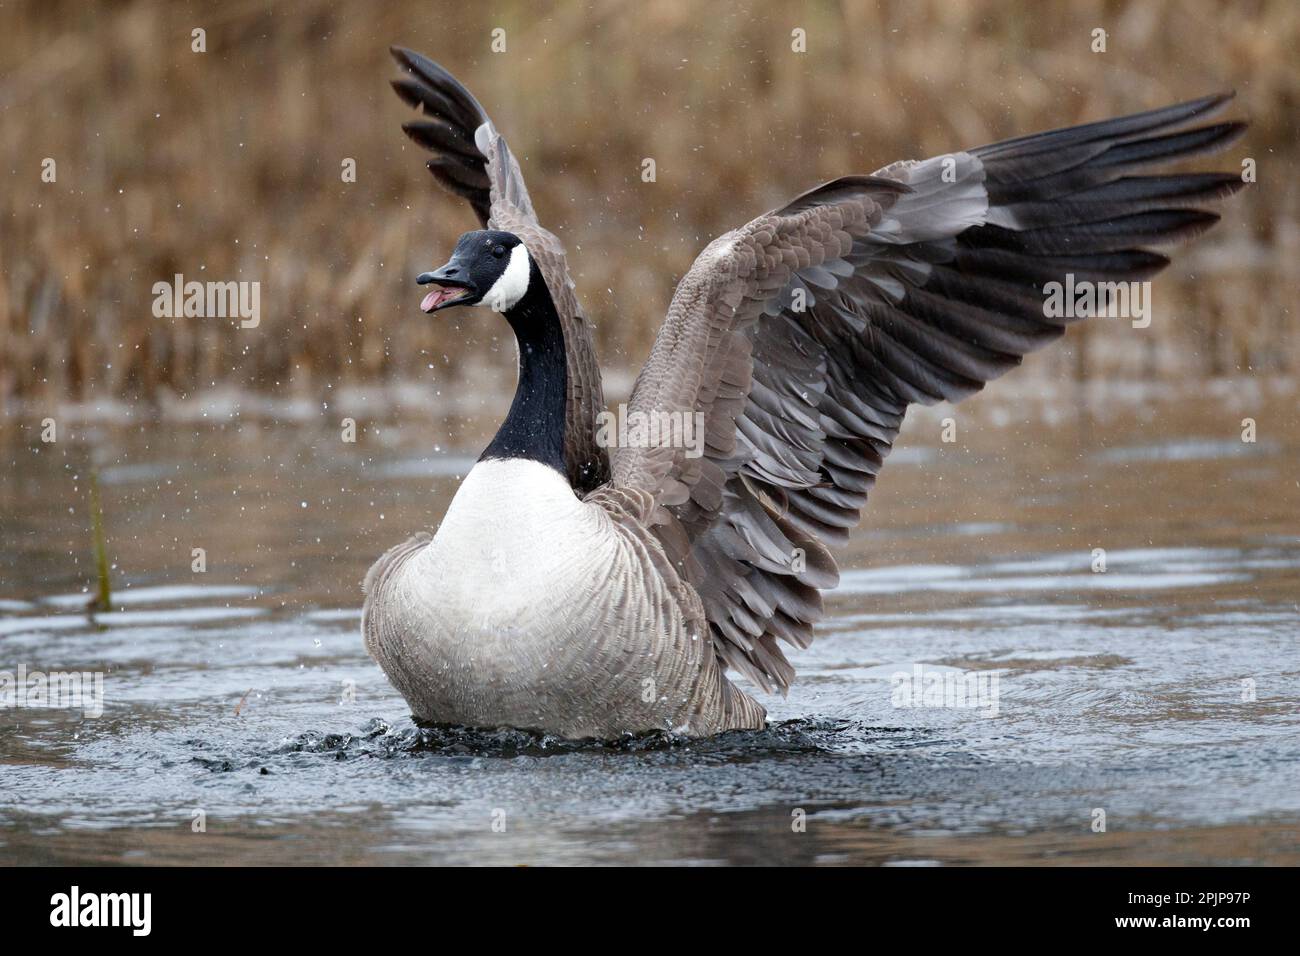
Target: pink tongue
{"x":430,"y":300}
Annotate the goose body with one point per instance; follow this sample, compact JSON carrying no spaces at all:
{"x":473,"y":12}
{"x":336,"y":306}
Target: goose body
{"x":530,"y":608}
{"x":590,"y":594}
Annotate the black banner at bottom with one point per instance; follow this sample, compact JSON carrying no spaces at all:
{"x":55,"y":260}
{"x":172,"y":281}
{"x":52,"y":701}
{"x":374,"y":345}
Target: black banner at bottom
{"x":334,"y":905}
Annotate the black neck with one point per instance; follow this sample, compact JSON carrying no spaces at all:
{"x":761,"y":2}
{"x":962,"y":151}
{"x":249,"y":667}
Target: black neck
{"x":534,"y":428}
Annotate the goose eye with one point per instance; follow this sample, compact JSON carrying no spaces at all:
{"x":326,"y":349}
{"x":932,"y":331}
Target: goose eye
{"x":498,"y":251}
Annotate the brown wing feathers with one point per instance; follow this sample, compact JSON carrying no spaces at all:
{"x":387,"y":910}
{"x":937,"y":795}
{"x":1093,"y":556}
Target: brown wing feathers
{"x":918,"y":289}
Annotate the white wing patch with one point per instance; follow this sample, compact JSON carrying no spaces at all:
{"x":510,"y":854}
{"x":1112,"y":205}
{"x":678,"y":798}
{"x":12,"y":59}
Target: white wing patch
{"x":483,"y":137}
{"x":947,"y":197}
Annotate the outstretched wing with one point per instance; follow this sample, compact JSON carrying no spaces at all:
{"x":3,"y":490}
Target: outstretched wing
{"x":471,"y":159}
{"x":802,"y":337}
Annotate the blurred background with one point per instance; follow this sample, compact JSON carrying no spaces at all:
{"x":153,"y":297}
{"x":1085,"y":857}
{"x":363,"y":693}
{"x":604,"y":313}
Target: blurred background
{"x":226,"y":165}
{"x":205,"y":471}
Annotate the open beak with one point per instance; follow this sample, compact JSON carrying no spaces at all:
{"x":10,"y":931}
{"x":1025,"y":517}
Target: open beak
{"x":451,"y":287}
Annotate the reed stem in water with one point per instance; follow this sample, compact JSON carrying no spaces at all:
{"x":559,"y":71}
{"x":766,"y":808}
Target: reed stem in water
{"x":103,"y":595}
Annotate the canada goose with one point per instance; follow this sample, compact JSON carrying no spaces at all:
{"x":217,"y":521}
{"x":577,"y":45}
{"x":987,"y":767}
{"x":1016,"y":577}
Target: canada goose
{"x":586,"y":594}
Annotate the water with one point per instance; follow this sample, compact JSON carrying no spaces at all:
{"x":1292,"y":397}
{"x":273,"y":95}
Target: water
{"x":244,"y":692}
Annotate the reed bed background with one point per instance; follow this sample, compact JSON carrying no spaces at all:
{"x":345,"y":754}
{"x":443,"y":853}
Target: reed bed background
{"x":225,"y":165}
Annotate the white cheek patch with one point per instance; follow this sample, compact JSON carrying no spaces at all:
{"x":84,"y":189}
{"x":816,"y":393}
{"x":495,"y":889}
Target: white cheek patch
{"x":512,"y":284}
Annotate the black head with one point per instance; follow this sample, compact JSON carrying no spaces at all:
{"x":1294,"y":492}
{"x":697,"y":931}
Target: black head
{"x":488,"y":267}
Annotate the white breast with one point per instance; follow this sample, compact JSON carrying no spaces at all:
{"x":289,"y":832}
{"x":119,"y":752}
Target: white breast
{"x":515,"y":532}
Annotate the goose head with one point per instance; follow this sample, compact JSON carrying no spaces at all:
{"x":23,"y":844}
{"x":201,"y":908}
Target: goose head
{"x":488,"y":267}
